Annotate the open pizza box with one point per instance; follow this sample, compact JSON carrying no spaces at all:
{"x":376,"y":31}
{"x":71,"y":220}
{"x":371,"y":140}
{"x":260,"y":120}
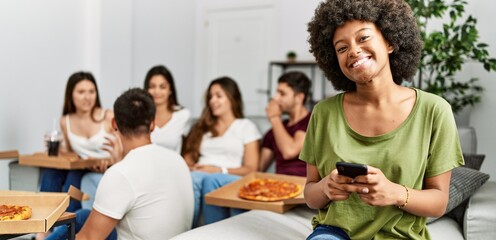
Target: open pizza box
{"x":46,"y":209}
{"x":227,"y":196}
{"x":9,"y":154}
{"x":62,"y":161}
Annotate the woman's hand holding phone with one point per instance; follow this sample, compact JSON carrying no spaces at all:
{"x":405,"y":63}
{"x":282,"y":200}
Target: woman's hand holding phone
{"x":374,"y":188}
{"x":333,"y":187}
{"x":347,"y":175}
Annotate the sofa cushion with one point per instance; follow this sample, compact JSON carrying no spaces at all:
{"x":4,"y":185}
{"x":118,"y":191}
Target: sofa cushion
{"x":468,"y":139}
{"x":445,"y":228}
{"x":257,"y":224}
{"x":481,"y":213}
{"x":464,"y":182}
{"x":23,"y":178}
{"x":474,"y":161}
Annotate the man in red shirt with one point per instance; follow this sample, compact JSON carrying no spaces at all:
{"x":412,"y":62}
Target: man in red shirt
{"x":284,"y":141}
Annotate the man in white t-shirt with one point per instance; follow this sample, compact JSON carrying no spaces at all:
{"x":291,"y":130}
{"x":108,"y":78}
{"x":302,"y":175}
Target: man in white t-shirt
{"x":147,"y":195}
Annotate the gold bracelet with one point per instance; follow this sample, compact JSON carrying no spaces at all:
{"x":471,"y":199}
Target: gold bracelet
{"x":407,"y":196}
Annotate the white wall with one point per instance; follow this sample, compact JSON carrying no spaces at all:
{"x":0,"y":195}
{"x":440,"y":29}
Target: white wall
{"x":483,"y":115}
{"x":291,"y":18}
{"x":118,"y":40}
{"x":164,"y":34}
{"x":43,"y":42}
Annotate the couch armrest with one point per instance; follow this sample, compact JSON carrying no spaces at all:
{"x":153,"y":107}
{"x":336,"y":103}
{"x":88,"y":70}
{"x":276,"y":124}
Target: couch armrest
{"x":480,"y":216}
{"x":468,"y":140}
{"x":23,"y":178}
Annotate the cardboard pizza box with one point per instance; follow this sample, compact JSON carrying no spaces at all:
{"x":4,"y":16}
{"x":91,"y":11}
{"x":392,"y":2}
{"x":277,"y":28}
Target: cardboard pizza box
{"x":46,"y":209}
{"x":9,"y":154}
{"x":227,"y":196}
{"x":62,"y":161}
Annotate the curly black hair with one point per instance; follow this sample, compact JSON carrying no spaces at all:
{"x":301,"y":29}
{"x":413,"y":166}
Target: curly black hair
{"x":134,"y":111}
{"x":395,"y":20}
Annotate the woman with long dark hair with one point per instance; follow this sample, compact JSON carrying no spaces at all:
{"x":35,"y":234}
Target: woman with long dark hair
{"x":171,"y":119}
{"x":86,"y":128}
{"x":222,"y":145}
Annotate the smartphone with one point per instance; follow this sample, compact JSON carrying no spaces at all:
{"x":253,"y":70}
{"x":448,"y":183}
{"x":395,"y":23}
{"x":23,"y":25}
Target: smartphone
{"x":351,"y":170}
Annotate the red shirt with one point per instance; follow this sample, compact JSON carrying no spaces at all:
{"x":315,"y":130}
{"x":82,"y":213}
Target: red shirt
{"x":292,"y":166}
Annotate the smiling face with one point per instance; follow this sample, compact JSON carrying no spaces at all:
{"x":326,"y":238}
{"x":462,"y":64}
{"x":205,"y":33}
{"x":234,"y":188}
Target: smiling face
{"x":219,"y":102}
{"x":160,"y":90}
{"x":84,"y":96}
{"x":362,"y":51}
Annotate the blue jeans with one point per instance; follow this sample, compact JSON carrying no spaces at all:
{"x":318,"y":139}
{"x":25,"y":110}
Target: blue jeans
{"x":57,"y":180}
{"x":197,"y":178}
{"x":89,"y":184}
{"x":60,"y":233}
{"x":213,"y":213}
{"x":326,"y":232}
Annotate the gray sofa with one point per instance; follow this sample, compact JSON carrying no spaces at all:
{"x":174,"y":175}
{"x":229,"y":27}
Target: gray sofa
{"x":479,"y":220}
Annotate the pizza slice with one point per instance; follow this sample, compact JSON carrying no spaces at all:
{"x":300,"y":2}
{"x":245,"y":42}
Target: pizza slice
{"x":14,"y":212}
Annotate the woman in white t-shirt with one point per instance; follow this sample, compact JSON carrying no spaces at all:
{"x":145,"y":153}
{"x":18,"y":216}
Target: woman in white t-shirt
{"x":171,"y":119}
{"x":221,"y":146}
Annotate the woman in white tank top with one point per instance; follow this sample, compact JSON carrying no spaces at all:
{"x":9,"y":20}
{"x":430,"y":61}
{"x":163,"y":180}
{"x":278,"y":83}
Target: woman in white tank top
{"x":85,"y":126}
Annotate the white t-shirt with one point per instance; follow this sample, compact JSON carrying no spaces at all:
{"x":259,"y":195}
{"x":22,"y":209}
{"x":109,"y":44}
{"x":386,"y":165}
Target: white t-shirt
{"x":228,"y":150}
{"x":170,"y":135}
{"x":150,"y":192}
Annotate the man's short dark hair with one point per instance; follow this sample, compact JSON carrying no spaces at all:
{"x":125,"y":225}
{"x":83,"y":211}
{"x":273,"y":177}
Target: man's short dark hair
{"x":134,"y":111}
{"x":297,"y":81}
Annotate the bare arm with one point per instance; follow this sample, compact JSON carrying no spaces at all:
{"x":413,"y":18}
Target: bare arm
{"x":189,"y":160}
{"x":432,"y":200}
{"x":251,"y":158}
{"x":320,"y":191}
{"x":96,"y":227}
{"x":66,"y":145}
{"x":375,"y":189}
{"x":289,"y":146}
{"x":266,"y":158}
{"x":107,"y":121}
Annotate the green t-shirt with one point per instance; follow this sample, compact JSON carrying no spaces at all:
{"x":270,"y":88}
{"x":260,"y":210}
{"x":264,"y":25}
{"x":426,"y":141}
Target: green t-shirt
{"x":426,"y":144}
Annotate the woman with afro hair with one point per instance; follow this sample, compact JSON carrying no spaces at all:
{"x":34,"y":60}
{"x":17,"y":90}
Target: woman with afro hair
{"x":407,"y":138}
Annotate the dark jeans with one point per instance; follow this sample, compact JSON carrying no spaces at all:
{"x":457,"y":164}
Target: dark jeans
{"x":57,"y":180}
{"x":60,"y":233}
{"x":326,"y":232}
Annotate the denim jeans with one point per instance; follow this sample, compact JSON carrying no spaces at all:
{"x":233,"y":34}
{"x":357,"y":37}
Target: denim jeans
{"x":57,"y":180}
{"x":326,"y":232}
{"x":89,"y":184}
{"x":213,"y":213}
{"x":60,"y":233}
{"x":197,"y":178}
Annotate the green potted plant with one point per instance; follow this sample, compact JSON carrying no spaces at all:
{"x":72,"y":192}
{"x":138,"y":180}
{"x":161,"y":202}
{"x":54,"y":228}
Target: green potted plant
{"x":446,"y":50}
{"x":291,"y":56}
